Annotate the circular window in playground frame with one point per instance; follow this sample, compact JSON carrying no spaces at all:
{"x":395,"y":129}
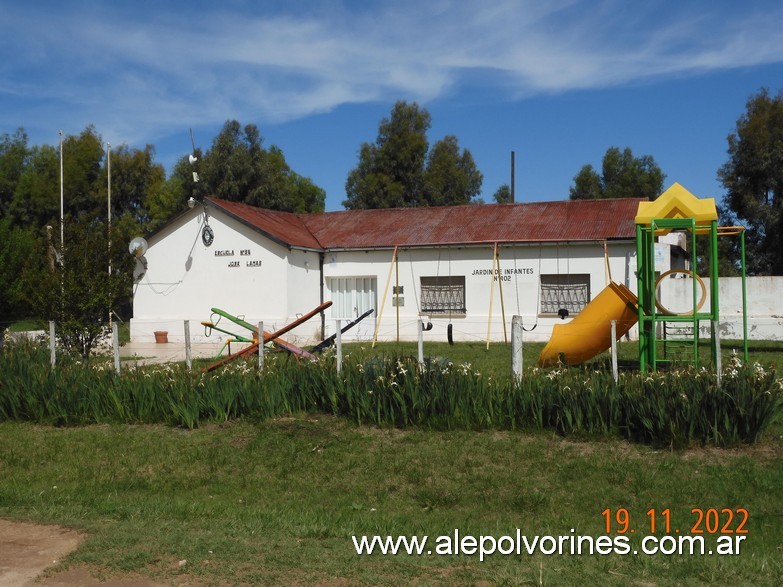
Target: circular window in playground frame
{"x":663,"y":309}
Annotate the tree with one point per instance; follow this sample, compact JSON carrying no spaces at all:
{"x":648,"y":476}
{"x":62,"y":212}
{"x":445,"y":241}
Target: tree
{"x":13,"y":154}
{"x":753,"y":178}
{"x":622,"y":176}
{"x":238,"y":168}
{"x":503,"y":194}
{"x":233,"y":166}
{"x":171,"y":198}
{"x":18,"y":260}
{"x":136,"y":182}
{"x":400,"y":171}
{"x":78,"y":292}
{"x":390,"y":173}
{"x":36,"y":198}
{"x":451,"y":176}
{"x":36,"y":179}
{"x":83,"y":156}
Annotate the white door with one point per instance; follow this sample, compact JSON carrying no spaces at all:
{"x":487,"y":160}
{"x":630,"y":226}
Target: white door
{"x":352,"y":297}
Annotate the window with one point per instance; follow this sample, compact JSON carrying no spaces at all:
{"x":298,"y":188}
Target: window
{"x":443,"y":295}
{"x":570,"y":292}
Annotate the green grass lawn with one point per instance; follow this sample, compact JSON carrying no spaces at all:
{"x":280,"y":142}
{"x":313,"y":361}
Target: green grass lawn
{"x":497,"y":360}
{"x":276,"y":503}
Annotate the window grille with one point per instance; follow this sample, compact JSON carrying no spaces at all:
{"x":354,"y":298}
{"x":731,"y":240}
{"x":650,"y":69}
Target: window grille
{"x":571,"y":292}
{"x":441,"y":295}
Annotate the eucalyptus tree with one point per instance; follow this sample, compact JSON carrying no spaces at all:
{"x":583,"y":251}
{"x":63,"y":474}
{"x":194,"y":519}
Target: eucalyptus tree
{"x":622,"y":176}
{"x":239,"y":168}
{"x":753,"y":178}
{"x":399,"y":170}
{"x":451,"y":176}
{"x":390,"y":172}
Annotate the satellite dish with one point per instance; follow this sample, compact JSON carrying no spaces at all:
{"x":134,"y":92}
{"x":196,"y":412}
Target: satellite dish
{"x":140,"y":269}
{"x":138,"y":246}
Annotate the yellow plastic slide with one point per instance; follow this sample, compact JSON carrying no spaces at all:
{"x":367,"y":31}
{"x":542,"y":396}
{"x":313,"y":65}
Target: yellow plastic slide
{"x":590,"y":332}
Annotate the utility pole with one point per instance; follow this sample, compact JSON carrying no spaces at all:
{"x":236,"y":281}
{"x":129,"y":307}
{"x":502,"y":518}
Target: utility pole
{"x":62,"y":206}
{"x":108,"y":211}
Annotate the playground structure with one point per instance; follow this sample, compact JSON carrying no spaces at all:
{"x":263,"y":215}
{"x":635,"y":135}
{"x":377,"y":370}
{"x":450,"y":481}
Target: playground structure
{"x":265,"y":337}
{"x":589,"y":333}
{"x":665,"y":336}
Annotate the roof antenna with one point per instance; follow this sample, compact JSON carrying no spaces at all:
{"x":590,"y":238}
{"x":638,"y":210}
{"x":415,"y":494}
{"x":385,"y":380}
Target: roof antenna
{"x":192,"y":157}
{"x":207,"y":234}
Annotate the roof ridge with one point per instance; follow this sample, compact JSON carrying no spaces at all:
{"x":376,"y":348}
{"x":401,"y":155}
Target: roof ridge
{"x":521,"y":222}
{"x":472,"y":205}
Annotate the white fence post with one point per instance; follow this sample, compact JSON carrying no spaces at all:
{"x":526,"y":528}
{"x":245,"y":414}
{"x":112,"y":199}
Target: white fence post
{"x":115,"y":343}
{"x":52,"y":344}
{"x":261,"y":346}
{"x":615,"y":373}
{"x":339,"y":344}
{"x":188,"y":354}
{"x":718,"y":359}
{"x":421,"y":344}
{"x":516,"y":347}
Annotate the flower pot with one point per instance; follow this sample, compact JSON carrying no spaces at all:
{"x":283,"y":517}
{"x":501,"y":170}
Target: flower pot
{"x":161,"y":336}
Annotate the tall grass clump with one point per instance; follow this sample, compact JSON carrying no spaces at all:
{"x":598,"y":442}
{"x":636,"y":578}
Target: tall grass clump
{"x":676,"y":408}
{"x":688,"y":406}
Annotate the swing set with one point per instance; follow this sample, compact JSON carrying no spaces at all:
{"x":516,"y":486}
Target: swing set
{"x":445,"y":293}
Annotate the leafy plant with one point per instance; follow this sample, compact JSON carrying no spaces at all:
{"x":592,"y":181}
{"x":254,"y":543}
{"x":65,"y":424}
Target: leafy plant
{"x":674,"y":409}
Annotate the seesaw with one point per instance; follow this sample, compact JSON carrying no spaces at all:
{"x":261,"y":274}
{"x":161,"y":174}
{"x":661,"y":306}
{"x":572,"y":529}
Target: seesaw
{"x":275,"y":336}
{"x":266,"y":336}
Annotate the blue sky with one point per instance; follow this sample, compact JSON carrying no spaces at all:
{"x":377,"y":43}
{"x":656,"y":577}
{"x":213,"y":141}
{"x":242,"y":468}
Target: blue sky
{"x":558,"y":82}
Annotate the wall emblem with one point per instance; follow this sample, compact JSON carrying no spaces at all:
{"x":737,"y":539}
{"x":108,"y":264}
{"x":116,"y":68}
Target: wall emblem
{"x":207,"y":236}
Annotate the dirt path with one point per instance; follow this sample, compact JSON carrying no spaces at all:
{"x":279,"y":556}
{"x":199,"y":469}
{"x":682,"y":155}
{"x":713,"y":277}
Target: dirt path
{"x":26,"y":550}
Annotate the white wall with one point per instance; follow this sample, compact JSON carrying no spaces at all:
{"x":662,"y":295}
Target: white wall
{"x":302,"y":294}
{"x":242,"y":273}
{"x":520,"y":267}
{"x":251,"y":276}
{"x":764,"y":304}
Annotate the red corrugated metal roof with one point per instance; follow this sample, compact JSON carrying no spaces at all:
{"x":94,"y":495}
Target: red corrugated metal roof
{"x":284,"y":227}
{"x":565,"y":220}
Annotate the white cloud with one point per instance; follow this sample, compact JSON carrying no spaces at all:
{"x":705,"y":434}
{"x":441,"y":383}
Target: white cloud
{"x":142,"y":74}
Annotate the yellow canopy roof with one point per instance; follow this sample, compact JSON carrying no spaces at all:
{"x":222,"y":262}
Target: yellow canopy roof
{"x":677,"y":202}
